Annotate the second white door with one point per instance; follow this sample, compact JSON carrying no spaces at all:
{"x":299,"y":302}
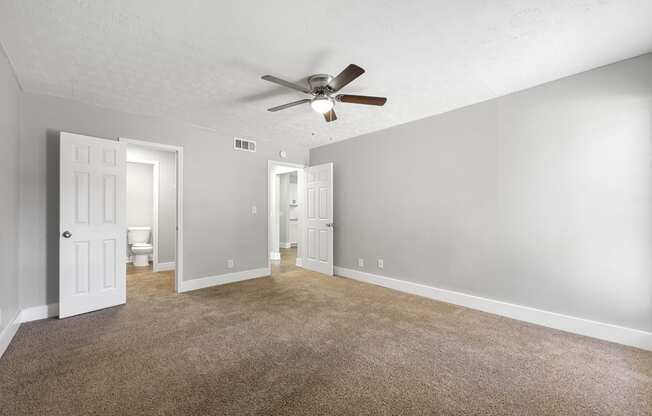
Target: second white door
{"x":318,"y":253}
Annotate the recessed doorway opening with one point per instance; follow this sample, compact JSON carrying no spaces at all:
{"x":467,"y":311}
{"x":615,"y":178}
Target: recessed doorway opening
{"x":311,"y":210}
{"x":286,"y":189}
{"x":154,"y":247}
{"x":142,"y":213}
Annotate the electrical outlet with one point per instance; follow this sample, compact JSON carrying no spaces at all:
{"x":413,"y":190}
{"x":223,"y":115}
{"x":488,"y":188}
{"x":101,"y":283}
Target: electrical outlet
{"x":254,"y":210}
{"x":360,"y":262}
{"x":230,"y":264}
{"x":380,"y":263}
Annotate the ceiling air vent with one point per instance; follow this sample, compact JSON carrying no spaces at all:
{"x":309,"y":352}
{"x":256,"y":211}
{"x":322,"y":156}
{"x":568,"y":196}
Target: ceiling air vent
{"x":244,"y":145}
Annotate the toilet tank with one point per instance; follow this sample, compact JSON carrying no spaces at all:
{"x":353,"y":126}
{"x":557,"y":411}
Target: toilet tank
{"x":137,"y":235}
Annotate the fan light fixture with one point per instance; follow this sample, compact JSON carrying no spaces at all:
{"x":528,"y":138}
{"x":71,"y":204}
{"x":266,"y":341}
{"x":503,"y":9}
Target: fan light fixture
{"x":322,"y":89}
{"x":322,"y":104}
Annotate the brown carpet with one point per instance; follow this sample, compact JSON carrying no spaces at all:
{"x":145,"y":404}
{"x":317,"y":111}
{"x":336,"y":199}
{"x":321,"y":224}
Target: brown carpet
{"x":300,"y":343}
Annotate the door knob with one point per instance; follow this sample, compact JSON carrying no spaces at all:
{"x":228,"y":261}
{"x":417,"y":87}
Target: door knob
{"x":330,"y":224}
{"x":67,"y":234}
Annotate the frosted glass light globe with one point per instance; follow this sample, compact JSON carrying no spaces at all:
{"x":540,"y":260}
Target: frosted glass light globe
{"x":322,"y":104}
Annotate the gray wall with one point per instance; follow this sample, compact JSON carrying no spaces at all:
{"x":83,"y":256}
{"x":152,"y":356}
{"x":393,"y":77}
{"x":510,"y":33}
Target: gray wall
{"x":9,"y":192}
{"x":140,"y":201}
{"x":220,"y":187}
{"x":167,"y":198}
{"x":541,"y":198}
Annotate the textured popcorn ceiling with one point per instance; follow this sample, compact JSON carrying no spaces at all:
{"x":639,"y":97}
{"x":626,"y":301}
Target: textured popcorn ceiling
{"x":200,"y":61}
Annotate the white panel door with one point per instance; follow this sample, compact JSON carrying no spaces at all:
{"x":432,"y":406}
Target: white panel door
{"x":318,"y":251}
{"x":92,"y":270}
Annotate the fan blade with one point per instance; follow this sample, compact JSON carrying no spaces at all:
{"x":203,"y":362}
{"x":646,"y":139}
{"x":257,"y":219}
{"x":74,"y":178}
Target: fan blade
{"x":288,"y":105}
{"x":330,"y":116}
{"x":361,"y":99}
{"x":285,"y":83}
{"x":350,"y":73}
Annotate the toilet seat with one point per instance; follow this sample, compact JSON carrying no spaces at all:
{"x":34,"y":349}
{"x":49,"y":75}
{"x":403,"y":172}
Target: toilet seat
{"x":141,"y":248}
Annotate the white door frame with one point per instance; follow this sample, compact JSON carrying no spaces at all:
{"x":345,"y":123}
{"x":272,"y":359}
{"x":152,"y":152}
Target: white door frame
{"x":300,"y":189}
{"x":155,"y":185}
{"x":178,"y":151}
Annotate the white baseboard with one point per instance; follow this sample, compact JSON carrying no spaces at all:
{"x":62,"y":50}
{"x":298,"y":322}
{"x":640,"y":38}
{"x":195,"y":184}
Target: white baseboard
{"x":285,"y":245}
{"x":274,"y":255}
{"x":39,"y":312}
{"x":222,"y":279}
{"x":8,"y":333}
{"x":299,"y":262}
{"x":48,"y":311}
{"x":163,"y":267}
{"x":595,"y":329}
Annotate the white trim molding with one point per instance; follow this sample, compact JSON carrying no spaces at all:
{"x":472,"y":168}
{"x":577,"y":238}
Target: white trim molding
{"x":275,"y":255}
{"x":581,"y":326}
{"x":39,"y":312}
{"x":51,"y":310}
{"x":223,"y":279}
{"x":299,"y":262}
{"x":8,"y":333}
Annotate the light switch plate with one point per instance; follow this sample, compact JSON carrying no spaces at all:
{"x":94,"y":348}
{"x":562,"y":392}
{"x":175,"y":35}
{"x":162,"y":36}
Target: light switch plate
{"x":230,"y":263}
{"x":381,"y":263}
{"x":360,"y":262}
{"x":254,"y":210}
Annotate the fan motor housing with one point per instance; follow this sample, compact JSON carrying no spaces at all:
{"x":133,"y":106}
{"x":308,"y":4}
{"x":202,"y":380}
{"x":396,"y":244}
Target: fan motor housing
{"x":319,"y":81}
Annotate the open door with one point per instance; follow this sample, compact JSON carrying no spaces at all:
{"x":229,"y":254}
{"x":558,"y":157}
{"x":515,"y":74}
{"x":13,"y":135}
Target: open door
{"x":318,"y":251}
{"x":92,"y":270}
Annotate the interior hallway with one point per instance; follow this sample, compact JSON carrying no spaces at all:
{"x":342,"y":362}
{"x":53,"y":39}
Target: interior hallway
{"x":131,"y":269}
{"x":144,"y":280}
{"x":287,"y":263}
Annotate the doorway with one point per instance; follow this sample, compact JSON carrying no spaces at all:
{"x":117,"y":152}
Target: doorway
{"x":154,"y":244}
{"x":142,"y":200}
{"x":286,"y":189}
{"x":314,"y":218}
{"x":93,"y":223}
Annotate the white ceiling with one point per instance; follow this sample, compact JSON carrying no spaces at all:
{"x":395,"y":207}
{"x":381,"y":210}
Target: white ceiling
{"x":200,"y":61}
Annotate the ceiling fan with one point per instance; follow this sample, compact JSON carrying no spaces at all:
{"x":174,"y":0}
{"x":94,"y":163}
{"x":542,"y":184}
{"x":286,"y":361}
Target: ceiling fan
{"x":323,"y":88}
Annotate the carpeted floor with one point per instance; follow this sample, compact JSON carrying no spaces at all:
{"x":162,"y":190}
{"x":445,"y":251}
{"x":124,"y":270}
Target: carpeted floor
{"x":300,"y":343}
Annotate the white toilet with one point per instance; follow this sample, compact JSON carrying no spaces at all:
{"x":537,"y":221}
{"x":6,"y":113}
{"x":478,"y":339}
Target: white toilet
{"x":139,"y":245}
